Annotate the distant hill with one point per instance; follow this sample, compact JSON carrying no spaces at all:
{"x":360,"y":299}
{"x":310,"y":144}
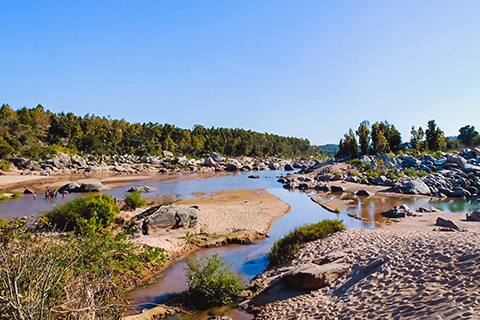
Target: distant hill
{"x":329,"y":149}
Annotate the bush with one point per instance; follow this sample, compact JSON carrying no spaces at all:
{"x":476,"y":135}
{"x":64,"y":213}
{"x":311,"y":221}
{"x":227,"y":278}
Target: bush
{"x":134,"y":200}
{"x":287,"y":248}
{"x":412,"y":173}
{"x":210,"y":281}
{"x":4,"y":165}
{"x":16,"y":195}
{"x":84,"y":214}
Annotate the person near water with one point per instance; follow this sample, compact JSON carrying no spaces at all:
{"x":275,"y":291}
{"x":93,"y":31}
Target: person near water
{"x":34,"y":196}
{"x":46,"y":195}
{"x":63,"y":194}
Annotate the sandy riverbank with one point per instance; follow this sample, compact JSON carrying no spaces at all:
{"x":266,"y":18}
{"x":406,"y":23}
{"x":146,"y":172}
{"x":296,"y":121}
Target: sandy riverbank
{"x":223,"y":217}
{"x":426,"y":274}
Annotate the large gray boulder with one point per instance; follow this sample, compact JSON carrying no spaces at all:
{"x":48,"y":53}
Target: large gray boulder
{"x":364,"y":193}
{"x":273,"y":165}
{"x":172,"y":216}
{"x":166,"y":154}
{"x":428,"y":209}
{"x":69,"y":187}
{"x":288,"y":167}
{"x":217,"y":157}
{"x":398,"y":212}
{"x":90,"y":187}
{"x":311,"y":276}
{"x":446,"y":223}
{"x":209,"y":162}
{"x":458,"y":160}
{"x":337,"y":189}
{"x":79,"y":161}
{"x":233,"y":165}
{"x":415,"y":186}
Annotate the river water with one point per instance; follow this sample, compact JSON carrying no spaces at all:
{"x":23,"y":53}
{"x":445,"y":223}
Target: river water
{"x":246,"y":260}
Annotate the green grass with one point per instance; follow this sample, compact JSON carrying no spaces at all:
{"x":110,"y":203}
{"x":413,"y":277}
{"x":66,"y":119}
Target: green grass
{"x":287,"y":248}
{"x":412,"y":173}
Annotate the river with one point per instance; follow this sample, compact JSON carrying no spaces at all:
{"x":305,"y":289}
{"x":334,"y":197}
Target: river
{"x":246,"y":260}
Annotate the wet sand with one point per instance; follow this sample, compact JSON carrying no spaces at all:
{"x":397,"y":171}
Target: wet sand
{"x":426,"y":274}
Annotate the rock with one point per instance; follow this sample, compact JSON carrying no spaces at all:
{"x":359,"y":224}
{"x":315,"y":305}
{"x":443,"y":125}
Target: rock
{"x":142,"y":189}
{"x":415,"y":186}
{"x":290,"y":185}
{"x":288,"y":167}
{"x":172,"y":216}
{"x":319,"y":187}
{"x":90,"y":187}
{"x":474,"y":216}
{"x":331,"y":257}
{"x":398,"y":212}
{"x":352,"y":179}
{"x":381,"y":180}
{"x":445,"y":191}
{"x":303,"y":186}
{"x":166,"y":154}
{"x":27,"y":191}
{"x":217,"y":157}
{"x":21,"y":163}
{"x":446,"y":223}
{"x":364,"y":193}
{"x":233,"y":165}
{"x":209,"y":162}
{"x":471,"y":168}
{"x":460,"y":193}
{"x":181,"y":161}
{"x":324,"y":177}
{"x":273,"y":165}
{"x":337,"y":189}
{"x":255,"y":176}
{"x":458,"y":160}
{"x":427,"y":209}
{"x":69,"y":187}
{"x":310,"y":276}
{"x":78,"y":161}
{"x":476,"y":151}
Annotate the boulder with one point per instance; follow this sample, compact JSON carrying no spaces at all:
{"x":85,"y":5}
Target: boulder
{"x":217,"y":157}
{"x":444,"y":223}
{"x":352,"y":179}
{"x":142,"y":189}
{"x":324,"y":177}
{"x":337,"y":189}
{"x":458,"y":160}
{"x":69,"y":187}
{"x":460,"y":193}
{"x":303,"y":186}
{"x":288,"y":167}
{"x":90,"y":187}
{"x":21,"y":163}
{"x":311,"y":276}
{"x":166,"y":154}
{"x":363,"y":193}
{"x":233,"y":165}
{"x":254,"y":176}
{"x":290,"y":185}
{"x":415,"y":186}
{"x":474,"y":216}
{"x":273,"y":165}
{"x":209,"y":162}
{"x":27,"y":191}
{"x":320,"y":187}
{"x":398,"y":212}
{"x":380,"y":180}
{"x":79,"y":161}
{"x":427,"y":209}
{"x":172,"y":216}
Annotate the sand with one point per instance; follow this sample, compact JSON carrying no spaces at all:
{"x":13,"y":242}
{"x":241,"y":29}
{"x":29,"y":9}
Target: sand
{"x":427,"y":274}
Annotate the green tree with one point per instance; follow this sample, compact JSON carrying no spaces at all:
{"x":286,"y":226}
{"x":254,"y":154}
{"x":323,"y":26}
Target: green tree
{"x":168,"y":144}
{"x":467,"y":135}
{"x":434,"y":137}
{"x":363,"y":133}
{"x":416,"y":141}
{"x":348,"y":145}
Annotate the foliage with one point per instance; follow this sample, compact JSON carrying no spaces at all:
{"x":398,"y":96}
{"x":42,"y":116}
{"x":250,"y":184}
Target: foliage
{"x":329,"y":149}
{"x":211,"y":282}
{"x":46,"y":276}
{"x":363,"y":133}
{"x":287,"y":248}
{"x":84,"y":213}
{"x":4,"y":165}
{"x":37,"y":133}
{"x":468,"y":135}
{"x":348,"y":146}
{"x":412,"y":173}
{"x":134,"y":200}
{"x":16,"y":195}
{"x":435,"y":138}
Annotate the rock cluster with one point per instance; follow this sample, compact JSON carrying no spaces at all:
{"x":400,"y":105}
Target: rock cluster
{"x":450,"y":175}
{"x":166,"y":162}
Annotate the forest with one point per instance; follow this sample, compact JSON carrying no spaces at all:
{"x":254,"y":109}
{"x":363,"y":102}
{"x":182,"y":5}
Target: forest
{"x":37,"y":133}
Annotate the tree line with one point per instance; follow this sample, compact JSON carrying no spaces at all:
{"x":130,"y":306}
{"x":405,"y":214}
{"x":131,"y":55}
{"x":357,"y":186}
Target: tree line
{"x":383,"y":137}
{"x":37,"y":133}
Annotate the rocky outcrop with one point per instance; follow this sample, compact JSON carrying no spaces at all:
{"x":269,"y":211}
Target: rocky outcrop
{"x":398,"y":212}
{"x":85,"y":187}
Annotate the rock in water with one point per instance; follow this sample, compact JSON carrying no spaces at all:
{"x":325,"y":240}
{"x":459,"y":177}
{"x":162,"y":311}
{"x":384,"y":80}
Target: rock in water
{"x":142,"y":189}
{"x":69,"y":187}
{"x":172,"y":216}
{"x":398,"y":212}
{"x":337,"y":189}
{"x":288,"y":167}
{"x":446,"y":223}
{"x":91,"y":187}
{"x":427,"y":209}
{"x":364,"y":193}
{"x":254,"y":176}
{"x":311,"y":276}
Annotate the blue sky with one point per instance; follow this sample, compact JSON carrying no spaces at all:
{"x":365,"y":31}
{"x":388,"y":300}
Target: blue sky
{"x":310,"y":69}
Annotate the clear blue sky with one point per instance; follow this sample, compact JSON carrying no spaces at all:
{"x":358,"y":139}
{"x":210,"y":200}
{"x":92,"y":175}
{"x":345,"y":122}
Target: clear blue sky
{"x":310,"y":69}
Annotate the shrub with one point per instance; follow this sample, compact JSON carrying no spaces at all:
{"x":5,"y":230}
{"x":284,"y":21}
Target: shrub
{"x":412,"y":173}
{"x":4,"y":165}
{"x":211,"y":282}
{"x":16,"y":195}
{"x":287,"y":248}
{"x":134,"y":200}
{"x":83,"y":214}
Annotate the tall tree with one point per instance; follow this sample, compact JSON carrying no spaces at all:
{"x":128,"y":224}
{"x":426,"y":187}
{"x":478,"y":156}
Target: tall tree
{"x":434,"y":137}
{"x":363,"y":133}
{"x":467,"y":135}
